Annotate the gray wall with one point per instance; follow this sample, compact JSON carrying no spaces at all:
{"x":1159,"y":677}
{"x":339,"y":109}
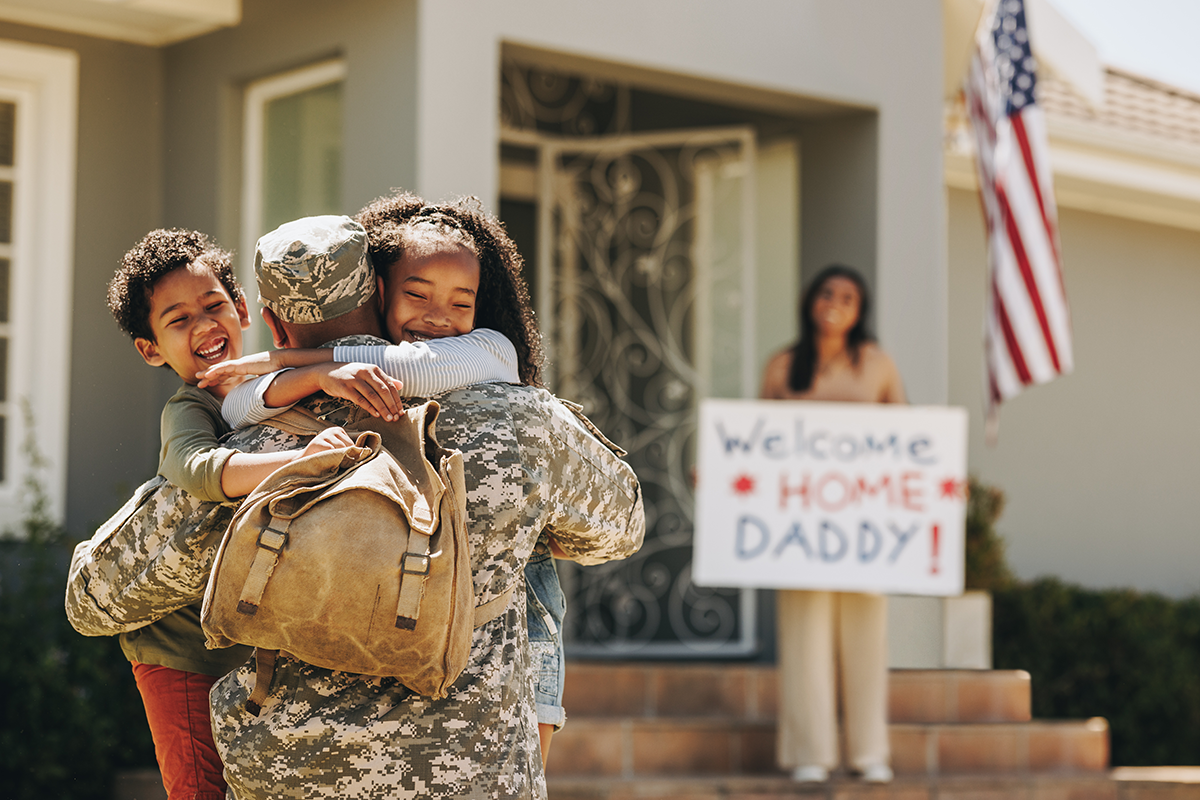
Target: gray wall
{"x":1099,"y":467}
{"x":882,"y":57}
{"x":839,"y":196}
{"x":205,"y":78}
{"x":114,"y":403}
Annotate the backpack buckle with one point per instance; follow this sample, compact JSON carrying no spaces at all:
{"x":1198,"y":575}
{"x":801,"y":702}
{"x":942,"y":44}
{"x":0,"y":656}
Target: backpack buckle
{"x":422,"y":567}
{"x":271,"y":539}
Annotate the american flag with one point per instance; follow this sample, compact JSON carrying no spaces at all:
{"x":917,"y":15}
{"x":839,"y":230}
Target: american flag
{"x":1027,"y":327}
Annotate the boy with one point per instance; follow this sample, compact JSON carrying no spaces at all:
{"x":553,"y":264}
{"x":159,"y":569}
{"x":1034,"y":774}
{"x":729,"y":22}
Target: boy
{"x":176,"y":296}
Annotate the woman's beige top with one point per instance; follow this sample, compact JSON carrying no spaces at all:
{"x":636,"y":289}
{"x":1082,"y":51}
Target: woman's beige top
{"x":874,"y":380}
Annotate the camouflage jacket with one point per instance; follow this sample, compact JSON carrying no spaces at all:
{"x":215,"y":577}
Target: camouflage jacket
{"x":532,"y":463}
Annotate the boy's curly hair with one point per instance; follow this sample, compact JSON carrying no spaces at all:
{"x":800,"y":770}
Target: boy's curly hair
{"x":392,"y":222}
{"x":158,"y":253}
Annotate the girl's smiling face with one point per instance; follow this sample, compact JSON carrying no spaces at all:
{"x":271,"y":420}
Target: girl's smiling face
{"x":430,"y":292}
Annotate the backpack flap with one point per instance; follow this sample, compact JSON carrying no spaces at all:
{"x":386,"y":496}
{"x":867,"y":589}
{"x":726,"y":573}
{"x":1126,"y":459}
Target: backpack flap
{"x":366,"y":568}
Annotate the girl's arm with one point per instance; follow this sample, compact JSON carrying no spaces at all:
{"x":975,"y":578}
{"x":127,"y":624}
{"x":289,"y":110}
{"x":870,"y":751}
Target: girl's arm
{"x":423,"y":368}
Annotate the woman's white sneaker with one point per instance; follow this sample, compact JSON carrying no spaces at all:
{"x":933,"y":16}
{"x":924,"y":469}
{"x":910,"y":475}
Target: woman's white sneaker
{"x":877,"y":773}
{"x":810,"y":774}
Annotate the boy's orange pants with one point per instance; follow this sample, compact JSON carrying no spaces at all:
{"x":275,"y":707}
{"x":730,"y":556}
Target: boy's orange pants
{"x":177,"y":710}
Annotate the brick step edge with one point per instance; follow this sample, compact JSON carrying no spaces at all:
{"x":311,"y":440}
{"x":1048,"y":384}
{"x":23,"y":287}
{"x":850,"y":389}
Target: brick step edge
{"x":671,"y":747}
{"x":751,"y":691}
{"x":958,"y":787}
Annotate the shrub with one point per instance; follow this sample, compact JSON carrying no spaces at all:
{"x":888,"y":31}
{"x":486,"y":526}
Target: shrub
{"x":70,"y":714}
{"x":986,"y":567}
{"x":1130,"y":657}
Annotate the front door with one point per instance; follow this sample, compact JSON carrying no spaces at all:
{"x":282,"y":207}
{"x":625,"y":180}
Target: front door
{"x":646,"y":269}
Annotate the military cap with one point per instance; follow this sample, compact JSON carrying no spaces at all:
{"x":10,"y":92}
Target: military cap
{"x":314,"y":269}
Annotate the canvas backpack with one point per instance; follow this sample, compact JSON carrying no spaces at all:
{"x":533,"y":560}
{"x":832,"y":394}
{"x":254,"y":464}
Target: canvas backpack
{"x":354,"y":559}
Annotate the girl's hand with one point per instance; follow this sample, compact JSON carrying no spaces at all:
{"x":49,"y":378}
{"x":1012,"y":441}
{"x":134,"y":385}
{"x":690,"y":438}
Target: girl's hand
{"x":365,"y":385}
{"x":328,"y":439}
{"x":235,"y":369}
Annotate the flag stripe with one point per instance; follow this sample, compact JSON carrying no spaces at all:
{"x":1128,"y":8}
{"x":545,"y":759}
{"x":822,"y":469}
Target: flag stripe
{"x":1035,"y":297}
{"x":1027,"y":331}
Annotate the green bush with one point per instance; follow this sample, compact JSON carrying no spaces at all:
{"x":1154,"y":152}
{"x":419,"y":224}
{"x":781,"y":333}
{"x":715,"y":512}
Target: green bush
{"x":70,"y":713}
{"x":1130,"y":657}
{"x":986,"y":567}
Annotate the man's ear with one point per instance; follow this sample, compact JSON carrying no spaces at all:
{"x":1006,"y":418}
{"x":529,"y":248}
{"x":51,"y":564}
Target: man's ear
{"x":149,"y":352}
{"x":242,"y":312}
{"x":379,"y":294}
{"x":278,"y":332}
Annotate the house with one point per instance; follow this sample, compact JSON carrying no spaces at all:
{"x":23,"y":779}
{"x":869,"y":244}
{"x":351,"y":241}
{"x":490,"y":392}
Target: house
{"x":671,"y":171}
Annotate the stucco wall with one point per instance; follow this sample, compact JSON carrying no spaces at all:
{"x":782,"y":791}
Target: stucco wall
{"x":205,"y":78}
{"x":114,"y":405}
{"x":881,"y":56}
{"x":1098,"y":466}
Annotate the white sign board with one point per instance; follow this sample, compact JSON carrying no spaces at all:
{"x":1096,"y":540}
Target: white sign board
{"x":841,"y":496}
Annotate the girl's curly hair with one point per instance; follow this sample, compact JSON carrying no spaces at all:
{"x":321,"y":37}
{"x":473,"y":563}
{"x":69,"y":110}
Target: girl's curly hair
{"x":158,"y":253}
{"x":394,"y":221}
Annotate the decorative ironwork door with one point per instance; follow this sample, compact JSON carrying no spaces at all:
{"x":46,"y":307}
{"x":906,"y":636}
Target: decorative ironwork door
{"x":646,"y":266}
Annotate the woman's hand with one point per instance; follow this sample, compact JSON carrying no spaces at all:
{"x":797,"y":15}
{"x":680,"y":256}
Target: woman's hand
{"x":328,"y":439}
{"x":365,"y":385}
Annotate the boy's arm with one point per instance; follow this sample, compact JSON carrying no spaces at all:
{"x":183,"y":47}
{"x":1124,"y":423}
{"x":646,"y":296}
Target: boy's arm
{"x":193,"y":459}
{"x":441,"y":365}
{"x":244,"y":471}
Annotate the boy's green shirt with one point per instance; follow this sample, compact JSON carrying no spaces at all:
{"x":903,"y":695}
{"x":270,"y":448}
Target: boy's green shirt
{"x":192,"y":459}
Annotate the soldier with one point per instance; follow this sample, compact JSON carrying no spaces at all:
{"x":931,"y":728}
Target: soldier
{"x":532,"y":463}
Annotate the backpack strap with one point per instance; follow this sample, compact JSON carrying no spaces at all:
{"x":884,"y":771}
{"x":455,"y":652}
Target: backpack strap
{"x":298,"y":420}
{"x":493,"y":608}
{"x":264,"y":672}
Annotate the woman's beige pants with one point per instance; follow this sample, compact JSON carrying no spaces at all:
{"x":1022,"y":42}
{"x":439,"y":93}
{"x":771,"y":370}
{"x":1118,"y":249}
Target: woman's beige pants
{"x":818,"y":633}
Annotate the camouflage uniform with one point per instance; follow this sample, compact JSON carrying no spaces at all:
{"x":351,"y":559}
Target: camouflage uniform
{"x":531,"y":463}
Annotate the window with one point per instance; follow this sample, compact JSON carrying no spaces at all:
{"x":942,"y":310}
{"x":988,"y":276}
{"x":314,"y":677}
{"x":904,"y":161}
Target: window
{"x":293,"y":159}
{"x":37,"y":201}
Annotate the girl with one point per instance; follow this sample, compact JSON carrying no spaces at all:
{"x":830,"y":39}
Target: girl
{"x":445,"y":270}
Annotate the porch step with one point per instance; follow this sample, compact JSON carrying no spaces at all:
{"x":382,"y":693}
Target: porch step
{"x":1032,"y":787}
{"x":639,"y":721}
{"x":750,"y":692}
{"x":636,"y":748}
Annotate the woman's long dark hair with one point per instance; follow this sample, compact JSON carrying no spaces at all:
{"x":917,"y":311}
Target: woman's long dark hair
{"x":804,"y":352}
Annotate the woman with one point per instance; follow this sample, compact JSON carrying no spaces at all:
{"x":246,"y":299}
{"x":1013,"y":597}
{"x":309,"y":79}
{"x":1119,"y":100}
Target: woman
{"x":835,"y":360}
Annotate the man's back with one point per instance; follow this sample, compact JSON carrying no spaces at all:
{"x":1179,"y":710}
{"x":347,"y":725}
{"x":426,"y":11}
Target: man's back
{"x":530,"y":464}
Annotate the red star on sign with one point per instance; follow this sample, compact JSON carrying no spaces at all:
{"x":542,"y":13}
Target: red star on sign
{"x":743,"y":485}
{"x":953,"y":489}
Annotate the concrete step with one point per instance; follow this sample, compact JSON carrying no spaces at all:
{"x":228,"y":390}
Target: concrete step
{"x":750,"y":692}
{"x":1033,"y":787}
{"x":641,"y":747}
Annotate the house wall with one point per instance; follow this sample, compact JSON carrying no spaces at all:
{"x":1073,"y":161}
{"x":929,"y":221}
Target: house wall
{"x":1098,"y":466}
{"x":114,"y":406}
{"x":881,"y":56}
{"x":205,"y":78}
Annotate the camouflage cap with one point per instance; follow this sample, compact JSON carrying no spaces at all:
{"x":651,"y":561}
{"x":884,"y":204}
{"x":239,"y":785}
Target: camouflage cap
{"x":314,"y":269}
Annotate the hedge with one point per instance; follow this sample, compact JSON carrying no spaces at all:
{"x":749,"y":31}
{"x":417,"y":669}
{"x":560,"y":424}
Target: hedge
{"x":1131,"y":657}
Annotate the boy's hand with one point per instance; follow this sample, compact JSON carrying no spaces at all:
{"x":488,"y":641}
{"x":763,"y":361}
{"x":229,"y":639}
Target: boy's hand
{"x":254,"y":364}
{"x":365,"y":385}
{"x":328,"y":439}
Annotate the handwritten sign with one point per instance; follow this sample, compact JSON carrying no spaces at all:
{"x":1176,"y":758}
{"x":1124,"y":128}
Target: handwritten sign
{"x":841,"y":496}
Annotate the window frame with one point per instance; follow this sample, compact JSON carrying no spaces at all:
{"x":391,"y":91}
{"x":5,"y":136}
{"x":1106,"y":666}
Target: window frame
{"x":258,"y":95}
{"x":43,"y":81}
